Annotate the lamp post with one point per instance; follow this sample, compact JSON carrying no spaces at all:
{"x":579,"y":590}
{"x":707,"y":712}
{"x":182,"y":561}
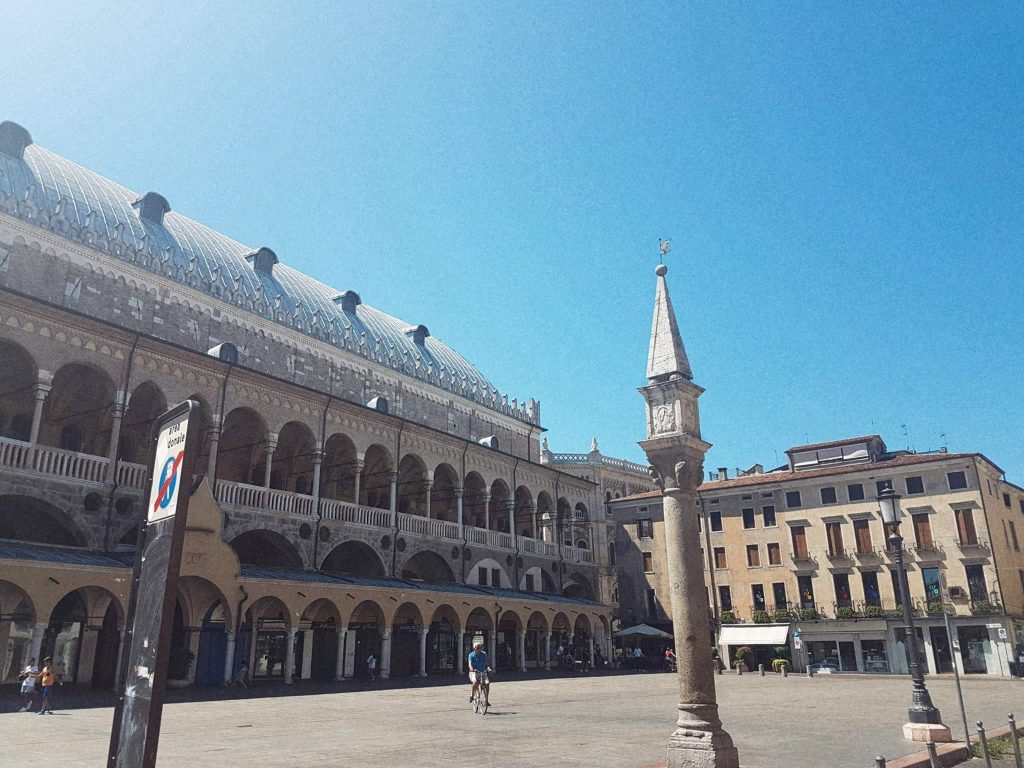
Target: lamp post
{"x":925,"y":720}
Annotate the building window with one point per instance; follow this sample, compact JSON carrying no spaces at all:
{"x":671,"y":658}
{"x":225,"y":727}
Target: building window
{"x":871,"y":594}
{"x":774,"y":554}
{"x":976,"y":582}
{"x":725,"y":598}
{"x":652,"y":604}
{"x":648,"y":562}
{"x":753,"y":556}
{"x":779,"y":595}
{"x":481,"y":577}
{"x":923,"y":531}
{"x":645,"y":528}
{"x":862,"y":535}
{"x":915,"y":485}
{"x":957,"y":480}
{"x":1013,"y":537}
{"x":841,"y":582}
{"x":748,"y":518}
{"x":834,"y":532}
{"x":757,"y":592}
{"x":1006,"y":500}
{"x":965,"y":529}
{"x":529,"y":582}
{"x":828,"y":495}
{"x":716,"y":520}
{"x":805,"y":587}
{"x":932,"y":590}
{"x":881,"y":485}
{"x":495,"y":577}
{"x":799,"y":542}
{"x":768,"y":516}
{"x":720,"y":558}
{"x":793,"y":499}
{"x":855,"y":491}
{"x":746,"y":497}
{"x":768,"y":495}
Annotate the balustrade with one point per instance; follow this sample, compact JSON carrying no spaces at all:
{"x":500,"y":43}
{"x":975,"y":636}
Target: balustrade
{"x":131,"y":475}
{"x":577,"y":555}
{"x":356,"y":514}
{"x":425,"y":526}
{"x":13,"y":453}
{"x":69,"y":464}
{"x":495,"y":539}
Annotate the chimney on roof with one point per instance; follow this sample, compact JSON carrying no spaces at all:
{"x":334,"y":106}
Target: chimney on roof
{"x":263,"y":260}
{"x":418,"y":333}
{"x":14,"y":139}
{"x":723,"y":473}
{"x":348,"y":301}
{"x":151,"y":207}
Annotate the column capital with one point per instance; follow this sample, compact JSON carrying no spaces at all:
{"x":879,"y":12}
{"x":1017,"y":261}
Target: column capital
{"x":458,"y":490}
{"x":318,"y":457}
{"x":41,"y":389}
{"x":423,"y":632}
{"x":270,"y":445}
{"x":428,"y":484}
{"x":393,"y":476}
{"x":510,"y":505}
{"x":386,"y":633}
{"x":359,"y":464}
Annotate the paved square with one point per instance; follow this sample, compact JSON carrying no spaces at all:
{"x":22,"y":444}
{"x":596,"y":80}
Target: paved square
{"x":614,"y":720}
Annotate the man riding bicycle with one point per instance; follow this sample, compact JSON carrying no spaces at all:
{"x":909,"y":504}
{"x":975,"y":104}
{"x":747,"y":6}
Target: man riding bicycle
{"x":478,"y":669}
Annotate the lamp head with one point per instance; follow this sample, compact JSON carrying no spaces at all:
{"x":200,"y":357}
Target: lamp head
{"x":889,"y":506}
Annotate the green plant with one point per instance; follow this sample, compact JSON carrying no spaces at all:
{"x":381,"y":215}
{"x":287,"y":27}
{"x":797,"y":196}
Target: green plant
{"x":997,"y":748}
{"x":809,"y":614}
{"x":847,"y":613}
{"x":781,"y":652}
{"x":761,"y":617}
{"x":983,"y":608}
{"x":783,"y":614}
{"x":743,"y":656}
{"x":778,"y":664}
{"x":727,"y":617}
{"x":936,"y":606}
{"x":873,"y":612}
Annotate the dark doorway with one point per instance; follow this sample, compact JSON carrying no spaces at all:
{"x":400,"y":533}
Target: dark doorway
{"x":104,"y":667}
{"x":405,"y":651}
{"x":324,"y":661}
{"x":213,"y":648}
{"x":943,"y":653}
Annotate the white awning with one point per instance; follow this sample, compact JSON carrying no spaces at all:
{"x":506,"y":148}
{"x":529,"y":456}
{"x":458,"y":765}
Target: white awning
{"x":643,"y":630}
{"x":754,"y":634}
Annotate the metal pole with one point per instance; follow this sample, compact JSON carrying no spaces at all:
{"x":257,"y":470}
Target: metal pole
{"x":1016,"y":741}
{"x":956,"y":668}
{"x":921,"y":709}
{"x":984,"y":745}
{"x":879,"y":762}
{"x":933,"y":757}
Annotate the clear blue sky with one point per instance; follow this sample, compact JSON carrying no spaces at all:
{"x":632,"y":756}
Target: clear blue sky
{"x":843,"y":185}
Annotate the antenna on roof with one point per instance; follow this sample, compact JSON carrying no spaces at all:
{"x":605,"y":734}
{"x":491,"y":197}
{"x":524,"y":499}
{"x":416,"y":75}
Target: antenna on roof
{"x":906,"y":435}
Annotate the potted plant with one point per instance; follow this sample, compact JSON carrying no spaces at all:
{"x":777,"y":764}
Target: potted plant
{"x":779,"y":664}
{"x":743,"y":659}
{"x":809,"y":614}
{"x":761,"y":617}
{"x":936,"y":606}
{"x":847,"y":613}
{"x":874,"y":612}
{"x":783,"y":614}
{"x":727,"y":617}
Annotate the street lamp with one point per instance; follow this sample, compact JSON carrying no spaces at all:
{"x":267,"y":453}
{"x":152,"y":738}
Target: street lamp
{"x":922,"y":711}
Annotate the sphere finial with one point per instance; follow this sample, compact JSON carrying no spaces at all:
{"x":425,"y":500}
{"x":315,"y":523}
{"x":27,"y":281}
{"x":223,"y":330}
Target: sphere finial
{"x":660,"y":270}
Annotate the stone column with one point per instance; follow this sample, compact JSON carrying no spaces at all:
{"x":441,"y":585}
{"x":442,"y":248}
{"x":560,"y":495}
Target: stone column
{"x":393,"y":479}
{"x":193,"y":645}
{"x":428,"y":486}
{"x":289,"y":655}
{"x":87,"y":654}
{"x":590,"y":648}
{"x":118,"y":674}
{"x":492,"y":651}
{"x":229,"y":659}
{"x":461,"y":653}
{"x":610,"y":641}
{"x":423,"y":652}
{"x":459,"y":490}
{"x":39,"y":392}
{"x":385,"y":654}
{"x":547,"y":650}
{"x":359,"y":476}
{"x":307,"y":654}
{"x":487,"y":510}
{"x":339,"y":664}
{"x":115,"y":436}
{"x":318,"y":460}
{"x":268,"y":449}
{"x":533,"y":518}
{"x":521,"y":649}
{"x":36,"y":643}
{"x":510,"y":506}
{"x":211,"y":459}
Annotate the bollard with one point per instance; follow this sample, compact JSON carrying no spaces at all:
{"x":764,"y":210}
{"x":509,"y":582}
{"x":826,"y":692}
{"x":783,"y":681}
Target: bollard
{"x":984,"y":745}
{"x":739,"y":669}
{"x":933,"y":756}
{"x":810,"y":672}
{"x":879,"y":762}
{"x":785,"y":670}
{"x":1016,"y":741}
{"x":760,"y":668}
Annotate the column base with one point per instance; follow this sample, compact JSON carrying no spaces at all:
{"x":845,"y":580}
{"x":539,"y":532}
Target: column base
{"x":923,"y":732}
{"x":701,"y":749}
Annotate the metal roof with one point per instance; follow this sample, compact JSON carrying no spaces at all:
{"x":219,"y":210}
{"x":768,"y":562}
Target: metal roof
{"x":79,"y":204}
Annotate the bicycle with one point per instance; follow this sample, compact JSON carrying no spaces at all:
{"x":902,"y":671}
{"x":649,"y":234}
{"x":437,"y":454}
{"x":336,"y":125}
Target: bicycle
{"x":480,"y":701}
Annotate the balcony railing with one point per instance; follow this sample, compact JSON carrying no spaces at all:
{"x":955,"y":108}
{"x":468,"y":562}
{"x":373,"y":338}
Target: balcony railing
{"x":69,"y":464}
{"x":355,"y":514}
{"x":930,"y":551}
{"x":131,"y":475}
{"x":13,"y":453}
{"x":234,"y":494}
{"x":973,"y":546}
{"x":577,"y":555}
{"x":537,"y":547}
{"x":840,"y":554}
{"x":427,"y":526}
{"x":495,"y":539}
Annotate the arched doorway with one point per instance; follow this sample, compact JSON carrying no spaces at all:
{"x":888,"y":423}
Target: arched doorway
{"x":265,"y":548}
{"x":240,"y":451}
{"x":442,"y":641}
{"x":405,"y":641}
{"x":146,"y":403}
{"x":213,"y":646}
{"x":77,"y":414}
{"x":364,"y":628}
{"x":375,"y":480}
{"x":17,"y":617}
{"x":479,"y":629}
{"x":536,"y":628}
{"x":18,"y":378}
{"x":321,"y":623}
{"x":63,"y":635}
{"x":108,"y":642}
{"x":507,"y":642}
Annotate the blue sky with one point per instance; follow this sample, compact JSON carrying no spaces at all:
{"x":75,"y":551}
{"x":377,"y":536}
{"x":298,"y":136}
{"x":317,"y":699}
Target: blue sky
{"x":843,"y":185}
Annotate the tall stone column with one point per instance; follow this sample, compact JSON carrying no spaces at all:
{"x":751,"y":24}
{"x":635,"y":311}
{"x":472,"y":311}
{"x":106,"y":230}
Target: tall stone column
{"x":428,"y":486}
{"x":115,"y":435}
{"x":339,"y":664}
{"x":268,"y":449}
{"x":458,"y":510}
{"x":289,"y":654}
{"x":510,"y":506}
{"x":211,"y":459}
{"x":676,"y":452}
{"x":318,"y":460}
{"x":229,"y":659}
{"x":461,"y":652}
{"x":547,"y":650}
{"x":533,"y":518}
{"x":39,"y":392}
{"x":487,"y":510}
{"x":423,"y":652}
{"x":359,"y":476}
{"x":521,"y":649}
{"x":393,"y":479}
{"x":385,"y":654}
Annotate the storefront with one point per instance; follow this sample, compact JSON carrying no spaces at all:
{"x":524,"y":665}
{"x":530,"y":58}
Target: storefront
{"x":842,"y":646}
{"x":762,"y":639}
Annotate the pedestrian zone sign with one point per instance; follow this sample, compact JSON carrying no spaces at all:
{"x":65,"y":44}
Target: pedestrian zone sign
{"x":167,"y":465}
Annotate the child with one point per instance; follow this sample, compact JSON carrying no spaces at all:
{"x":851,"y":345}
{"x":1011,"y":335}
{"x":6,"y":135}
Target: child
{"x":28,"y":684}
{"x":47,"y":677}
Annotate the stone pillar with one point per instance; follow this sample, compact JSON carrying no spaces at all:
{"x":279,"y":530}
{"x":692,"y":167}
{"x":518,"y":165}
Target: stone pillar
{"x":318,"y":460}
{"x":229,"y":659}
{"x":211,"y":459}
{"x":492,"y":651}
{"x":676,"y":452}
{"x":269,"y":449}
{"x":339,"y":665}
{"x":461,"y":652}
{"x":289,"y":655}
{"x":547,"y":650}
{"x":118,"y":674}
{"x":36,"y":643}
{"x":610,"y":640}
{"x":510,"y":506}
{"x":39,"y":392}
{"x":385,"y":654}
{"x":307,"y":654}
{"x":459,"y":490}
{"x":193,"y":645}
{"x":423,"y":652}
{"x":533,"y":518}
{"x":428,"y":486}
{"x":487,"y":510}
{"x":590,"y":648}
{"x":359,"y":476}
{"x":87,"y":654}
{"x":115,"y":436}
{"x":521,"y":649}
{"x":393,"y":479}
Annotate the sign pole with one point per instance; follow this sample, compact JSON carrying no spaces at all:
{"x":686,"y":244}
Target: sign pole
{"x":135,"y":734}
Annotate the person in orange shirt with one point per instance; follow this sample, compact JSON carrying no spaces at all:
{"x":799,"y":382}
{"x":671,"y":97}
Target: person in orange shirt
{"x":47,"y":677}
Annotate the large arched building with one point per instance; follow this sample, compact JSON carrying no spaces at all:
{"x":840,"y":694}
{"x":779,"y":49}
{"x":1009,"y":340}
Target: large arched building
{"x":362,"y":487}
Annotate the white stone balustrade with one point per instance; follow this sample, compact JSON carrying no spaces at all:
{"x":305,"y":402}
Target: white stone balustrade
{"x":69,"y":464}
{"x":13,"y":453}
{"x":577,"y":555}
{"x":425,"y":526}
{"x":355,"y":514}
{"x":131,"y":475}
{"x":495,"y":539}
{"x":233,"y":494}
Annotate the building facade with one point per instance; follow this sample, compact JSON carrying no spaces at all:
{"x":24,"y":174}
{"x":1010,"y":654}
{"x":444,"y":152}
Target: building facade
{"x":362,"y":488}
{"x":798,"y":557}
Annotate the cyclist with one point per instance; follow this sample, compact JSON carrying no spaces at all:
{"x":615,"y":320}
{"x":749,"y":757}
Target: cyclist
{"x":478,"y":669}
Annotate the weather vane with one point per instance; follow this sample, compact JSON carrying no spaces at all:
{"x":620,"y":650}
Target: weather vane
{"x":663,"y":247}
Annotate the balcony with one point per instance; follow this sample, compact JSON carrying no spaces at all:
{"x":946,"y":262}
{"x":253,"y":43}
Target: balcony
{"x":841,"y":554}
{"x":55,"y":462}
{"x":577,"y":555}
{"x":245,"y":496}
{"x":537,"y":547}
{"x":131,"y":476}
{"x":974,"y":547}
{"x":803,"y":561}
{"x":986,"y":608}
{"x":927,"y":552}
{"x":870,"y":555}
{"x":355,"y":514}
{"x":429,"y":527}
{"x":493,"y":539}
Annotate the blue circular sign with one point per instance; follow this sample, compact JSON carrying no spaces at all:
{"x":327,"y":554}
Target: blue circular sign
{"x":169,"y":494}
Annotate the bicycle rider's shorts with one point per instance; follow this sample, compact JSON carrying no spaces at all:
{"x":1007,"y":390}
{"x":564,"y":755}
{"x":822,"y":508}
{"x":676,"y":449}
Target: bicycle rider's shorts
{"x":473,"y":676}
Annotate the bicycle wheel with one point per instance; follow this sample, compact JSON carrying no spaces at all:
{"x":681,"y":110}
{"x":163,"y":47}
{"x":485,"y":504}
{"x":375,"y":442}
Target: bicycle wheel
{"x":484,"y":705}
{"x":476,"y":703}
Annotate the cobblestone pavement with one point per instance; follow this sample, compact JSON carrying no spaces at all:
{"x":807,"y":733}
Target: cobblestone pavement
{"x":604,"y":720}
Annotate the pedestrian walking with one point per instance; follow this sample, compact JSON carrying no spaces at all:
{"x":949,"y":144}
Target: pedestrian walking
{"x":28,"y":684}
{"x":371,"y":667}
{"x":47,"y":678}
{"x":239,"y":677}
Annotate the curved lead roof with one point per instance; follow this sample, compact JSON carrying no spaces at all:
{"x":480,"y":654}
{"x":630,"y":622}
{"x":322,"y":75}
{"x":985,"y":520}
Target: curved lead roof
{"x":75,"y":202}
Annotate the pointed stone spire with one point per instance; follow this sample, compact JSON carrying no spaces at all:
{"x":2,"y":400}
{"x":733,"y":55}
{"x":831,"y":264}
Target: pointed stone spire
{"x":667,"y":355}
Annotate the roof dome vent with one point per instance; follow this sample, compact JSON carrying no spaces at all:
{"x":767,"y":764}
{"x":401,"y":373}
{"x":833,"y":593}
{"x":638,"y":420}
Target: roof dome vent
{"x":418,"y":333}
{"x":152,"y":207}
{"x":13,"y":139}
{"x":348,"y":301}
{"x":263,"y":260}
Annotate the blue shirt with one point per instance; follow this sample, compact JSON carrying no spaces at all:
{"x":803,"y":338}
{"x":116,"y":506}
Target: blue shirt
{"x":478,"y":661}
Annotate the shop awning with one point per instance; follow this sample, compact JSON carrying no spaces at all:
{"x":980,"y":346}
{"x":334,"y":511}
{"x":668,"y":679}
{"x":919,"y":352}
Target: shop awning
{"x":643,"y":630}
{"x":754,"y":634}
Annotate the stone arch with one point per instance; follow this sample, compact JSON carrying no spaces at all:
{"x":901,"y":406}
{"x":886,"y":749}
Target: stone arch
{"x":367,"y":611}
{"x":375,"y":479}
{"x":523,"y":513}
{"x":537,"y":620}
{"x":78,"y":412}
{"x":354,"y":558}
{"x":240,"y":453}
{"x":321,"y":609}
{"x":544,"y":516}
{"x":446,"y":611}
{"x":38,"y":520}
{"x":270,"y":607}
{"x":198,"y":595}
{"x":412,"y":488}
{"x":338,"y":472}
{"x":262,"y":547}
{"x":582,"y":624}
{"x":145,"y":404}
{"x":429,"y":567}
{"x":18,"y":378}
{"x":563,"y":521}
{"x":498,"y":506}
{"x":17,"y":617}
{"x":443,"y":505}
{"x":408,"y":613}
{"x":474,"y":500}
{"x":485,"y":577}
{"x":578,"y":586}
{"x":291,"y":467}
{"x":560,"y":622}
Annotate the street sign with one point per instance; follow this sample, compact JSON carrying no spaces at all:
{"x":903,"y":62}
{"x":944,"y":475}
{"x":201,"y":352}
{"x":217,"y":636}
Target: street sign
{"x":796,"y":642}
{"x":1002,"y":633}
{"x":994,"y":626}
{"x":136,"y":729}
